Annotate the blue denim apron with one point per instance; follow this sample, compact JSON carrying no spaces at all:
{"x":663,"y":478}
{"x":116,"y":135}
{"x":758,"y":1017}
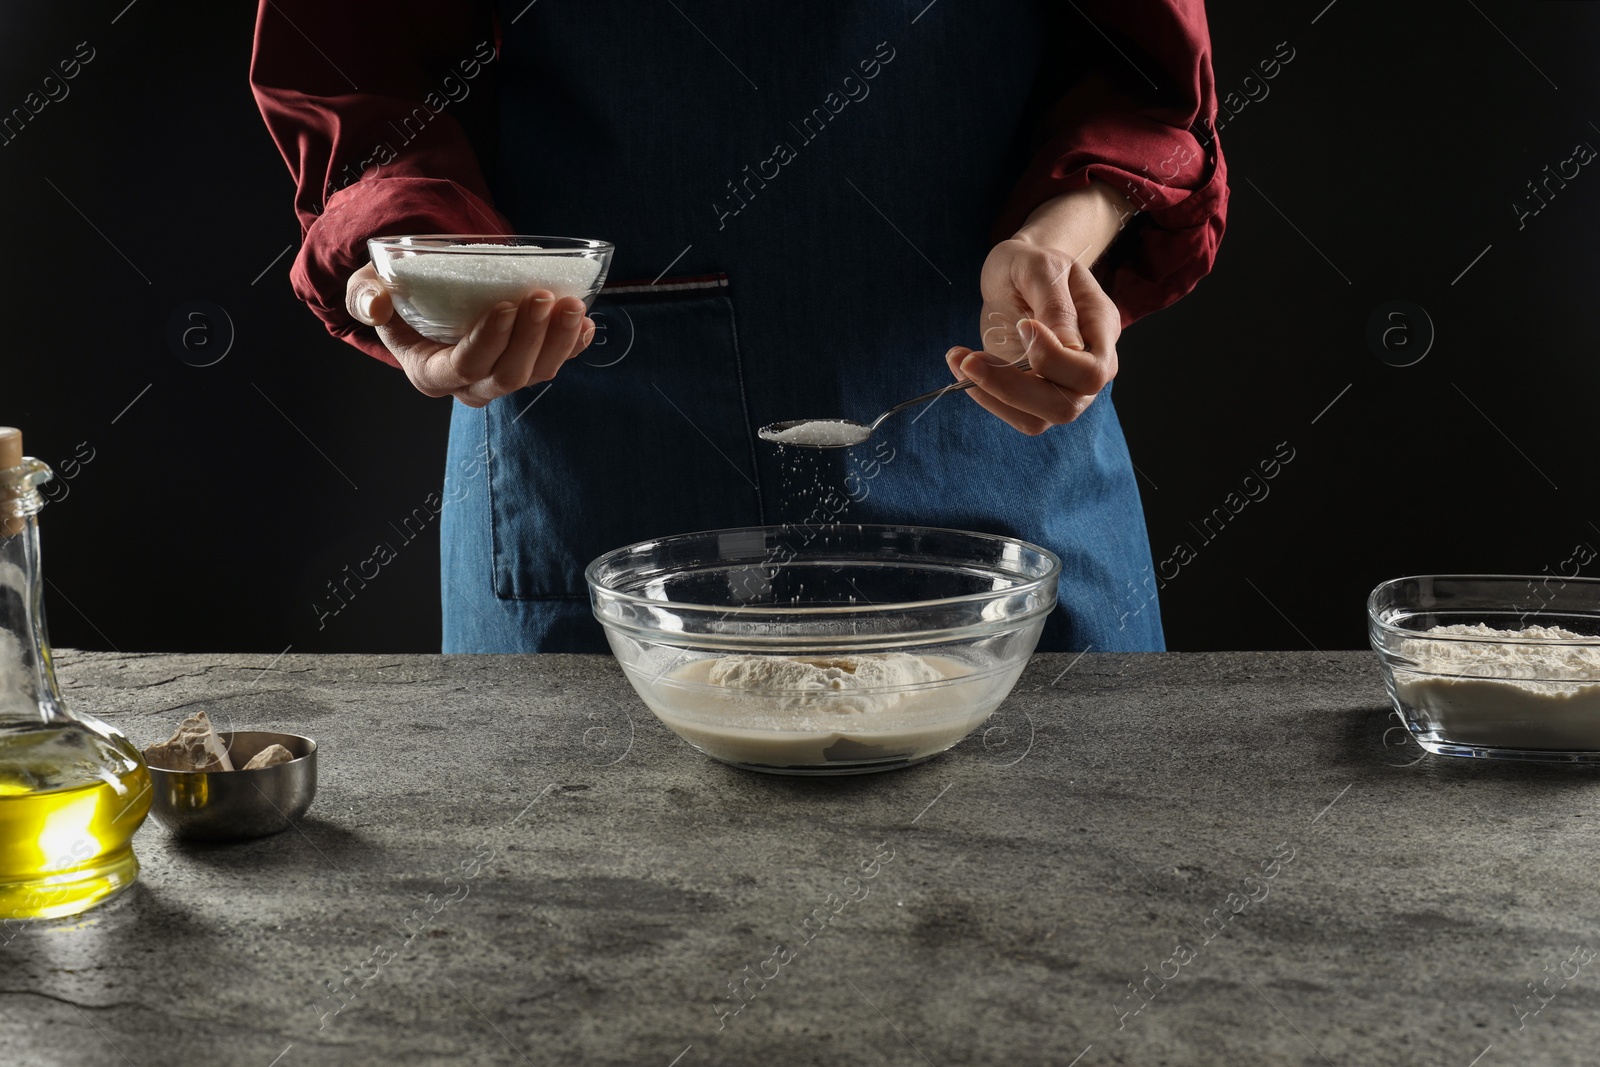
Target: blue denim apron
{"x":813,"y":185}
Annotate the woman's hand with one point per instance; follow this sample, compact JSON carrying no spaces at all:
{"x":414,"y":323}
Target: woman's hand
{"x":1040,"y":300}
{"x":512,"y":346}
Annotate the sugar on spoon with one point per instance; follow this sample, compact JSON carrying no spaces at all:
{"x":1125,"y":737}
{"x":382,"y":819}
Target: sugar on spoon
{"x":843,"y":433}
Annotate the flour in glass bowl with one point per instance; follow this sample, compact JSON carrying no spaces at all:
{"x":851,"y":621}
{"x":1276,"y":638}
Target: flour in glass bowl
{"x":801,"y":711}
{"x":840,"y":685}
{"x":1534,"y":688}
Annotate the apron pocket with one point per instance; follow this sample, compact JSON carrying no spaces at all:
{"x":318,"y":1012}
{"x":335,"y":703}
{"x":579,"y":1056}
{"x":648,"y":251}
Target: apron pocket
{"x":645,"y":434}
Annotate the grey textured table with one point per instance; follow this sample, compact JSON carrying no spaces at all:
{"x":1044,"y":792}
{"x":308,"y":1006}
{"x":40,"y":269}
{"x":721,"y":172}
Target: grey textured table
{"x":510,"y":861}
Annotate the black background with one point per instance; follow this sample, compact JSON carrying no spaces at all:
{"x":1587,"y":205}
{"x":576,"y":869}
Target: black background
{"x":1384,"y":159}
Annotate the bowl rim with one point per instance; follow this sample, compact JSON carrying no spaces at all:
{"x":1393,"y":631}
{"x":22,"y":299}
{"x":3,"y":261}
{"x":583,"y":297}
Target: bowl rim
{"x":1031,"y":585}
{"x":454,"y":243}
{"x":311,"y":753}
{"x":1419,"y":635}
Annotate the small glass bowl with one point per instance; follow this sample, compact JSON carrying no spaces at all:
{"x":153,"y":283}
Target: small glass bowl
{"x":968,"y":606}
{"x":1467,"y":695}
{"x":443,"y":283}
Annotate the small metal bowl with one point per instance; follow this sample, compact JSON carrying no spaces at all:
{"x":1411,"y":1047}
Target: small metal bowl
{"x":238,"y":805}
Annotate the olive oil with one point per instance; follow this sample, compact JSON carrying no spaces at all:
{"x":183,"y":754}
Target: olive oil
{"x":72,"y":789}
{"x":70,"y":802}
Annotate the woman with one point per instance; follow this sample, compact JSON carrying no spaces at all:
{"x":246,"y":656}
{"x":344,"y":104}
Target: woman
{"x":802,"y":197}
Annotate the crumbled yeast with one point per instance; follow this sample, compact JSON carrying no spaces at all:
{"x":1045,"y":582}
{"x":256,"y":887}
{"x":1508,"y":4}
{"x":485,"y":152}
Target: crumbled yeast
{"x":270,"y":756}
{"x":194,"y":747}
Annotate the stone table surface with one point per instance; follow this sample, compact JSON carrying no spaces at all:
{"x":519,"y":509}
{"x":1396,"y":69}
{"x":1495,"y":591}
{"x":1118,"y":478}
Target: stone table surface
{"x":1145,"y":859}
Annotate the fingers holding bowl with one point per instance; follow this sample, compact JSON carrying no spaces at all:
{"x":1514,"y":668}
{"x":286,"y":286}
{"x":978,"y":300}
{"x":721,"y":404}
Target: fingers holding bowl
{"x":367,"y":298}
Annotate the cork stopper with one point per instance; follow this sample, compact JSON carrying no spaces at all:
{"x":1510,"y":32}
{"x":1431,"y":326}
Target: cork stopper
{"x":10,"y":456}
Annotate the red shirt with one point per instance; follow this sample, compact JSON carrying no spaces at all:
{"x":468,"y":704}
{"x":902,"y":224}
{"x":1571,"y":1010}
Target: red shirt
{"x":328,"y":98}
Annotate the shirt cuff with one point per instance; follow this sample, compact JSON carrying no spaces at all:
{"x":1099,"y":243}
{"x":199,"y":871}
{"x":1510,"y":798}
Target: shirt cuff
{"x":1176,"y":181}
{"x":335,"y":245}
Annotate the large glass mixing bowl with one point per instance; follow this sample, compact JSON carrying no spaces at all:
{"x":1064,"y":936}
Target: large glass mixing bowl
{"x":824,"y":649}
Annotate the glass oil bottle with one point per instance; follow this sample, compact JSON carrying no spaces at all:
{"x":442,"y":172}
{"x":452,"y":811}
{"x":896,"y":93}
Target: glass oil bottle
{"x":72,"y":789}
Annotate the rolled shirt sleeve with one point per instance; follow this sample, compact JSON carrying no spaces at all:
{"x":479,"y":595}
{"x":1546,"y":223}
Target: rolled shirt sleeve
{"x":1142,"y":121}
{"x":365,"y":112}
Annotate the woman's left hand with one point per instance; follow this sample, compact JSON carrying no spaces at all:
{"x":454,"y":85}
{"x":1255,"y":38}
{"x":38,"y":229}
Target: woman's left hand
{"x":1041,"y":301}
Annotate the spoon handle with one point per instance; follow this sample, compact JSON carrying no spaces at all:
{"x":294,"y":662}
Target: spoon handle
{"x":953,"y":387}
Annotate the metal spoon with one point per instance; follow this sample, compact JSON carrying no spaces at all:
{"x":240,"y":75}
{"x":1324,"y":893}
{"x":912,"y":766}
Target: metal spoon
{"x":844,"y":433}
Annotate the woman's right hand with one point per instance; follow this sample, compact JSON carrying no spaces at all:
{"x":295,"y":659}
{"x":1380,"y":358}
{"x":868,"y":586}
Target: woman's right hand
{"x":511,"y":347}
